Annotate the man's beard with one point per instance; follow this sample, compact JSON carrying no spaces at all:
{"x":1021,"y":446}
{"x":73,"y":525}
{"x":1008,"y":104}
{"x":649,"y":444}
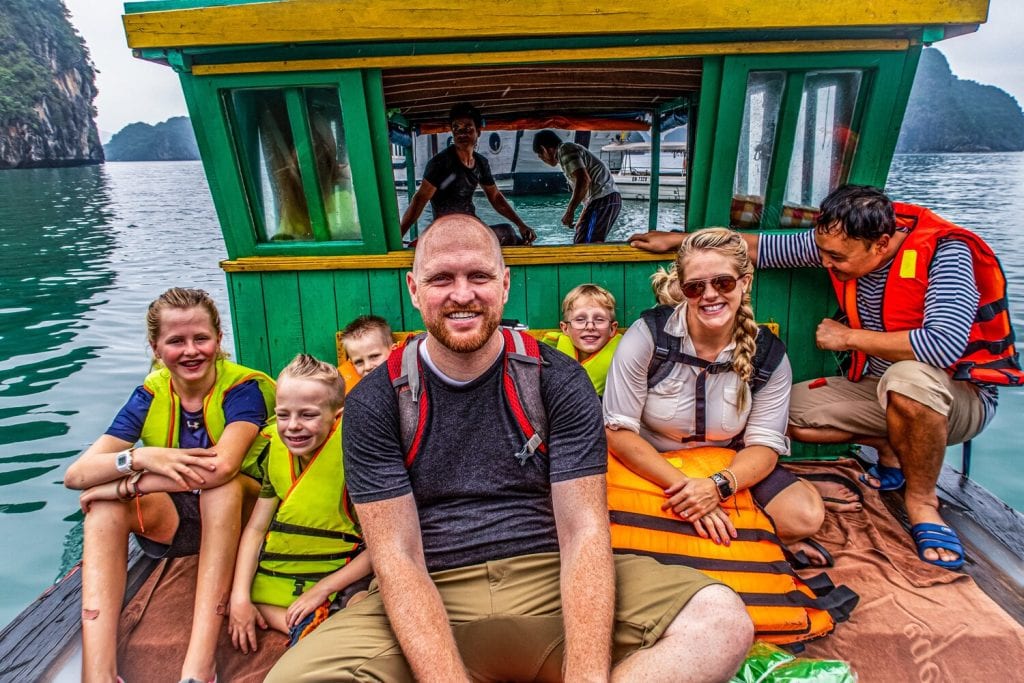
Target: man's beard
{"x":463,"y":343}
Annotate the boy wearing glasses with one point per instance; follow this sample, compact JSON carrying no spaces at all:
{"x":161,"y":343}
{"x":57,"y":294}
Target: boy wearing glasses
{"x":452,"y":176}
{"x":589,"y":331}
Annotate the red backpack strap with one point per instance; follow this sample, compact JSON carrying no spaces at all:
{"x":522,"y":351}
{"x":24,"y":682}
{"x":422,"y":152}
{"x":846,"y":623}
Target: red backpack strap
{"x":405,"y":374}
{"x":522,"y":368}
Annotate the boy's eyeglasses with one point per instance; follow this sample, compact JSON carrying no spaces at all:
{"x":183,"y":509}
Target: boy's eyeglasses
{"x":581,"y":323}
{"x":693,"y":289}
{"x":458,"y":130}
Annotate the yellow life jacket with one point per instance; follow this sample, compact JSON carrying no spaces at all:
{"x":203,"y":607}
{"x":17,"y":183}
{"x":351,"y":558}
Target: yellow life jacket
{"x":596,"y":366}
{"x":161,"y":426}
{"x":313,"y":533}
{"x":783,"y":607}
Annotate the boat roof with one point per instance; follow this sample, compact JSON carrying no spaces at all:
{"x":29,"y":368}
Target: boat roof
{"x":195,"y":23}
{"x":580,"y":58}
{"x":502,"y":92}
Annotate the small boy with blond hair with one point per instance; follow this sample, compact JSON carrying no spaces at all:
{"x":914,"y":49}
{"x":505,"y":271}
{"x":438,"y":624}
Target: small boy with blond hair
{"x":589,"y":331}
{"x":302,"y":544}
{"x":367,"y":343}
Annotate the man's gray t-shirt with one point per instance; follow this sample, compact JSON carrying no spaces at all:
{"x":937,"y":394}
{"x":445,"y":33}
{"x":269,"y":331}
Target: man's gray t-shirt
{"x":572,"y":157}
{"x":476,"y":501}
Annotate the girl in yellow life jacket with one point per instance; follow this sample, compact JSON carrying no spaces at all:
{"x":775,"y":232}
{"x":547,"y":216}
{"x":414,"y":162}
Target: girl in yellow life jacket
{"x":589,"y":331}
{"x":301,"y":544}
{"x":199,"y":418}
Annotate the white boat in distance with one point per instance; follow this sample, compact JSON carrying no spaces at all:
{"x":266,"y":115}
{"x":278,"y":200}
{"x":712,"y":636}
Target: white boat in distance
{"x":630,"y":164}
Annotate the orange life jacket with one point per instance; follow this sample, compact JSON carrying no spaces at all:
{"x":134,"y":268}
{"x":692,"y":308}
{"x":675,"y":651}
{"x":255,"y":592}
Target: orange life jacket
{"x":350,"y":375}
{"x":990,"y":356}
{"x":783,"y":607}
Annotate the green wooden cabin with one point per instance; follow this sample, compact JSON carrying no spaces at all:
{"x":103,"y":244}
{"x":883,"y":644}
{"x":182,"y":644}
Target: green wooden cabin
{"x":292,"y":102}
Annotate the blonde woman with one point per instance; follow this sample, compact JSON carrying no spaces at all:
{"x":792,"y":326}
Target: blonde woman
{"x":705,"y":398}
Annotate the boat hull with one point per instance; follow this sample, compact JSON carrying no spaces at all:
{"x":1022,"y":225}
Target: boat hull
{"x":637,"y":186}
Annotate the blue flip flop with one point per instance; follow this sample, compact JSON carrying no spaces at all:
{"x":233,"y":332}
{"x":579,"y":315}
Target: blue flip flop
{"x":933,"y":536}
{"x":889,"y":478}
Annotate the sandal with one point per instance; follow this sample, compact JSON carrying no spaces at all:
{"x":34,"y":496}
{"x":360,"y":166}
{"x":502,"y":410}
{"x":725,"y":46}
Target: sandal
{"x":933,"y":536}
{"x":889,"y":478}
{"x":799,"y":559}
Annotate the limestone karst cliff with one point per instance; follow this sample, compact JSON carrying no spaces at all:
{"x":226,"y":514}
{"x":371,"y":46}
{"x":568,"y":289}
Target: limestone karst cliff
{"x":47,"y":88}
{"x":949,"y":114}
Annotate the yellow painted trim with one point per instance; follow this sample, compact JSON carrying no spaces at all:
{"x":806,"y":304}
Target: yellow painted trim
{"x":315,"y":21}
{"x":554,"y":55}
{"x":514,"y":256}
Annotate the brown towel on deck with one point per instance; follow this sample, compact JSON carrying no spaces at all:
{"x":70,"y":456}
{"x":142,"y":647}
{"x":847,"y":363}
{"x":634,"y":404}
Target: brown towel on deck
{"x":155,"y":626}
{"x":915,"y":621}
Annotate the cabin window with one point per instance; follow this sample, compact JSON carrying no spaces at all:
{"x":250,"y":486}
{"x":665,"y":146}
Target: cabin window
{"x":823,"y":145}
{"x":757,"y":139}
{"x":292,"y":144}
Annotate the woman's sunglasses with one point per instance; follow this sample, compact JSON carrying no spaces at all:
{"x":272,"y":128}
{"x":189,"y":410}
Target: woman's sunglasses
{"x":693,"y":289}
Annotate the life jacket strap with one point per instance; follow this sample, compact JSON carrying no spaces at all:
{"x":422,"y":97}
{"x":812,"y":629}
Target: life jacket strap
{"x":1002,"y":372}
{"x":996,"y":348}
{"x":302,"y":557}
{"x":706,"y":564}
{"x":678,"y":526}
{"x":838,"y":601}
{"x":990,"y":310}
{"x":294,"y":576}
{"x":300,"y":530}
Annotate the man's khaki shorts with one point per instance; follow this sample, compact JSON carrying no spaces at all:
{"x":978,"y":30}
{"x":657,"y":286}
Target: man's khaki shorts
{"x":507,"y":619}
{"x":859,"y":407}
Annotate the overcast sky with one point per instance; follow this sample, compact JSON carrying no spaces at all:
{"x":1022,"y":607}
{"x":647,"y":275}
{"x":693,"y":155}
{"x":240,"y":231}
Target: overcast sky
{"x":133,"y":90}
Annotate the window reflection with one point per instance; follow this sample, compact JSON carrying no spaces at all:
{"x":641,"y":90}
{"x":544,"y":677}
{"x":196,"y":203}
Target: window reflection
{"x":332,"y":164}
{"x":756,"y":146}
{"x":823,"y":146}
{"x":292,"y":151}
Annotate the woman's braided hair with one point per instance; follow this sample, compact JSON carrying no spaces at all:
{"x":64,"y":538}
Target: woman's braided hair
{"x":729,"y":244}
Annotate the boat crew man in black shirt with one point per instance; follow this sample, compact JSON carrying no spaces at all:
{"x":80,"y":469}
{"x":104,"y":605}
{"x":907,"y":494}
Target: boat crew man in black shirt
{"x":452,"y":176}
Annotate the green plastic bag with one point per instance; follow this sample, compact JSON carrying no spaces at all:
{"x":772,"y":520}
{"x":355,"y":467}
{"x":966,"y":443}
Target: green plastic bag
{"x":767,"y":663}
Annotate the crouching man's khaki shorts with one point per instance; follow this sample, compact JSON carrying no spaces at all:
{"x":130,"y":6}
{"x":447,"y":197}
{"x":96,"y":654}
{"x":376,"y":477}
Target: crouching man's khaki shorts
{"x":859,"y":407}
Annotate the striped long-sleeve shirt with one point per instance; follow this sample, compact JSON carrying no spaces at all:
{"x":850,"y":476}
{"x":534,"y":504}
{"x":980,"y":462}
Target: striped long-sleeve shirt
{"x":950,"y":302}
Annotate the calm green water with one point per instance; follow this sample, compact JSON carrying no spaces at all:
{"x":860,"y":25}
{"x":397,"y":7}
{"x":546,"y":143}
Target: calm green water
{"x":83,"y":251}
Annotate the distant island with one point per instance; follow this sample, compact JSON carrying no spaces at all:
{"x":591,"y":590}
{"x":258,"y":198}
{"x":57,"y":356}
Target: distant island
{"x":172,"y":140}
{"x":47,"y":88}
{"x":947,"y":114}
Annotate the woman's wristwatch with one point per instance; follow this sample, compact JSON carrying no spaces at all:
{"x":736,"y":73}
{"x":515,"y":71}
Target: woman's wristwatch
{"x":124,"y":461}
{"x":723,"y":484}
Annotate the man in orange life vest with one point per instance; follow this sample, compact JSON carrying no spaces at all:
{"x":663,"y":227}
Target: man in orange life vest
{"x":491,"y":545}
{"x":928,"y":328}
